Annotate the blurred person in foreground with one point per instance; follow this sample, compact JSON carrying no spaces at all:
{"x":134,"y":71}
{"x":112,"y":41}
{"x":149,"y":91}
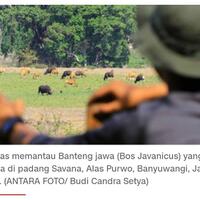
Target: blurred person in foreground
{"x":124,"y":114}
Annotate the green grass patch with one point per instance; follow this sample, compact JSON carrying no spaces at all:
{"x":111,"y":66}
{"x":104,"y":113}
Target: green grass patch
{"x":15,"y":87}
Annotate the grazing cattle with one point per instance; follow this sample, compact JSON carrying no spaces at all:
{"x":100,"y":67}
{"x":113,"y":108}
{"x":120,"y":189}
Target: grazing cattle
{"x":71,"y":82}
{"x":55,"y":71}
{"x":25,"y":71}
{"x":72,"y":75}
{"x":44,"y":89}
{"x":139,"y":77}
{"x":131,"y":75}
{"x":109,"y":74}
{"x":66,"y":73}
{"x":80,"y":73}
{"x":49,"y":70}
{"x":36,"y":75}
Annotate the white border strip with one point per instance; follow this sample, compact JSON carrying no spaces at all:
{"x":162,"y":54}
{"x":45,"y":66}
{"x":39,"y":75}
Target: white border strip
{"x":98,"y":2}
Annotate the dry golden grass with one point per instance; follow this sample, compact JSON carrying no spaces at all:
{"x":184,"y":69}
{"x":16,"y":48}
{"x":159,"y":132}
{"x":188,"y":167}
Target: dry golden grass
{"x":57,"y":121}
{"x":148,"y":71}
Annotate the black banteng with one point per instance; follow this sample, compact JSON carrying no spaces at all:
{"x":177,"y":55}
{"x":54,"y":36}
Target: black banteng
{"x":49,"y":70}
{"x":66,"y":73}
{"x":44,"y":89}
{"x":109,"y":74}
{"x":139,"y":77}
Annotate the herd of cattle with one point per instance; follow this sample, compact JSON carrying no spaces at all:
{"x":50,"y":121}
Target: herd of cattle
{"x":69,"y":76}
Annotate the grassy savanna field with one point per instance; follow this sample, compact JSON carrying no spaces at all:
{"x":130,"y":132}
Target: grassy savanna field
{"x":63,"y":112}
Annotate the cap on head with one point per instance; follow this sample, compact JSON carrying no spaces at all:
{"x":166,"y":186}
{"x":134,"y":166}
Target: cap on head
{"x":170,"y":37}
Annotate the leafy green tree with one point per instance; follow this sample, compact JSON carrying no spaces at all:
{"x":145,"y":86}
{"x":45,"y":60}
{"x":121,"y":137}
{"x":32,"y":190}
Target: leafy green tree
{"x":27,"y":57}
{"x":69,"y":35}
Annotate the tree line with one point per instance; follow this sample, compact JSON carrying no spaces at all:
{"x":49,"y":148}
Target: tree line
{"x":68,"y":35}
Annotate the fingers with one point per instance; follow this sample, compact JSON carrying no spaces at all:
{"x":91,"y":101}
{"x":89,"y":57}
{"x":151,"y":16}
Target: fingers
{"x":107,"y":100}
{"x":111,"y":107}
{"x":104,"y":110}
{"x":18,"y":107}
{"x":10,"y":109}
{"x":116,"y":89}
{"x":5,"y":108}
{"x":124,"y":96}
{"x":6,"y":111}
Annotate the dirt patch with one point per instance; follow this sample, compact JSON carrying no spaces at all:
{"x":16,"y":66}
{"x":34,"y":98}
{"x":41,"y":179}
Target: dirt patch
{"x":57,"y":121}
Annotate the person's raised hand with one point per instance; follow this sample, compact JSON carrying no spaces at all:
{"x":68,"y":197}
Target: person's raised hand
{"x":118,"y":96}
{"x":10,"y":109}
